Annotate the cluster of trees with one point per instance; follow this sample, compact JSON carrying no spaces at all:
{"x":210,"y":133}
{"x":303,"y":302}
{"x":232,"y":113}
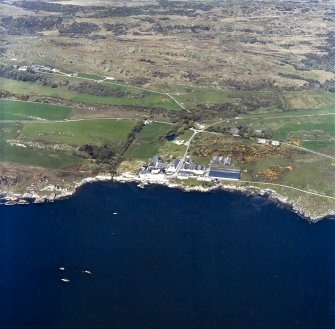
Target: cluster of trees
{"x":189,"y":9}
{"x":14,"y":74}
{"x":244,"y":38}
{"x":29,"y":24}
{"x":182,"y":8}
{"x":50,"y":7}
{"x":269,"y":84}
{"x":2,"y":50}
{"x":325,"y":62}
{"x":101,"y":153}
{"x":227,"y":109}
{"x":7,"y":94}
{"x":76,"y":28}
{"x":97,"y":89}
{"x":297,"y":77}
{"x":130,"y":139}
{"x":183,"y":122}
{"x":49,"y":83}
{"x":178,"y":28}
{"x":122,"y":29}
{"x":195,"y":5}
{"x":30,"y":76}
{"x":329,"y":85}
{"x":137,"y":128}
{"x":316,"y":62}
{"x":118,"y":28}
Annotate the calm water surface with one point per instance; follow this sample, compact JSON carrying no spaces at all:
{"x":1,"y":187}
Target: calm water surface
{"x":168,"y":259}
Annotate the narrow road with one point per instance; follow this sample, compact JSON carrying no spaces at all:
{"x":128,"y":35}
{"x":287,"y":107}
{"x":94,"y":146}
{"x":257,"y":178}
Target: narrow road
{"x":182,"y":160}
{"x":213,"y":124}
{"x":121,"y":85}
{"x":182,"y":106}
{"x":75,"y":120}
{"x":310,"y":151}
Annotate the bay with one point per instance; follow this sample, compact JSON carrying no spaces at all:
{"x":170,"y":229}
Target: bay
{"x":164,"y":258}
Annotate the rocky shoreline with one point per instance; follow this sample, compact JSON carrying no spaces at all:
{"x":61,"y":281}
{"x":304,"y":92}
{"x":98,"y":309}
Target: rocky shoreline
{"x":58,"y":193}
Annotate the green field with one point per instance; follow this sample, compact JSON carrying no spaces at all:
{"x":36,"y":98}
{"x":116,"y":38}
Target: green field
{"x":307,"y":126}
{"x":147,"y":142}
{"x":148,"y":99}
{"x":37,"y":157}
{"x":17,"y":110}
{"x":48,"y":158}
{"x":327,"y":147}
{"x":205,"y":96}
{"x":98,"y":131}
{"x":136,"y":98}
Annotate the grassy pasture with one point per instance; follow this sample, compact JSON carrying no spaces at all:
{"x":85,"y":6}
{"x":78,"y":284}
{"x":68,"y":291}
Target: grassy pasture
{"x":310,"y":172}
{"x":286,"y":126}
{"x":38,"y":157}
{"x":326,"y":147}
{"x":145,"y":99}
{"x":148,"y":100}
{"x":305,"y":127}
{"x":98,"y":131}
{"x":147,"y":142}
{"x":16,"y":110}
{"x":203,"y":96}
{"x":31,"y":156}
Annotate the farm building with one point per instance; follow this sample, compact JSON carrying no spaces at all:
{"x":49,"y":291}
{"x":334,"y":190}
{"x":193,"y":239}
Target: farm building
{"x":172,"y":167}
{"x":194,"y":169}
{"x":221,"y":161}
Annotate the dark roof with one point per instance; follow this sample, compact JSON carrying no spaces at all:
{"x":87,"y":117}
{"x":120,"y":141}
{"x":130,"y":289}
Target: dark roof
{"x":225,"y":173}
{"x":176,"y":163}
{"x":184,"y":173}
{"x":154,"y":158}
{"x":162,"y":165}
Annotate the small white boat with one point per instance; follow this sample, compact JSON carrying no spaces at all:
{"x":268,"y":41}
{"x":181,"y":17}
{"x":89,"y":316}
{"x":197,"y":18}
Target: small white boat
{"x":87,"y":272}
{"x":61,"y":268}
{"x":65,"y":280}
{"x":115,"y":213}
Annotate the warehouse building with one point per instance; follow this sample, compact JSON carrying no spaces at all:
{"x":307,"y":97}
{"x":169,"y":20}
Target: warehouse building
{"x":224,"y":174}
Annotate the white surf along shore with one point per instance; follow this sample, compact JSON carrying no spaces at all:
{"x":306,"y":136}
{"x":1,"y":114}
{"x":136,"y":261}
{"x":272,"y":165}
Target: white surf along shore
{"x":52,"y":193}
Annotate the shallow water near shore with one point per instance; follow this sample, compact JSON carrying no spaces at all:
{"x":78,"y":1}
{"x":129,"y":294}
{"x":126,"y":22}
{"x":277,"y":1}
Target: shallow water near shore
{"x":164,"y":258}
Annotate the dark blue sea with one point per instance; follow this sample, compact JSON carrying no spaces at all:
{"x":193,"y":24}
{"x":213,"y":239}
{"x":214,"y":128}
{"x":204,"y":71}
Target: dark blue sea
{"x":167,"y":259}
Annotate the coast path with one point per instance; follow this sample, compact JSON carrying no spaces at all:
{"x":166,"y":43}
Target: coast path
{"x":310,"y":151}
{"x":290,"y":187}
